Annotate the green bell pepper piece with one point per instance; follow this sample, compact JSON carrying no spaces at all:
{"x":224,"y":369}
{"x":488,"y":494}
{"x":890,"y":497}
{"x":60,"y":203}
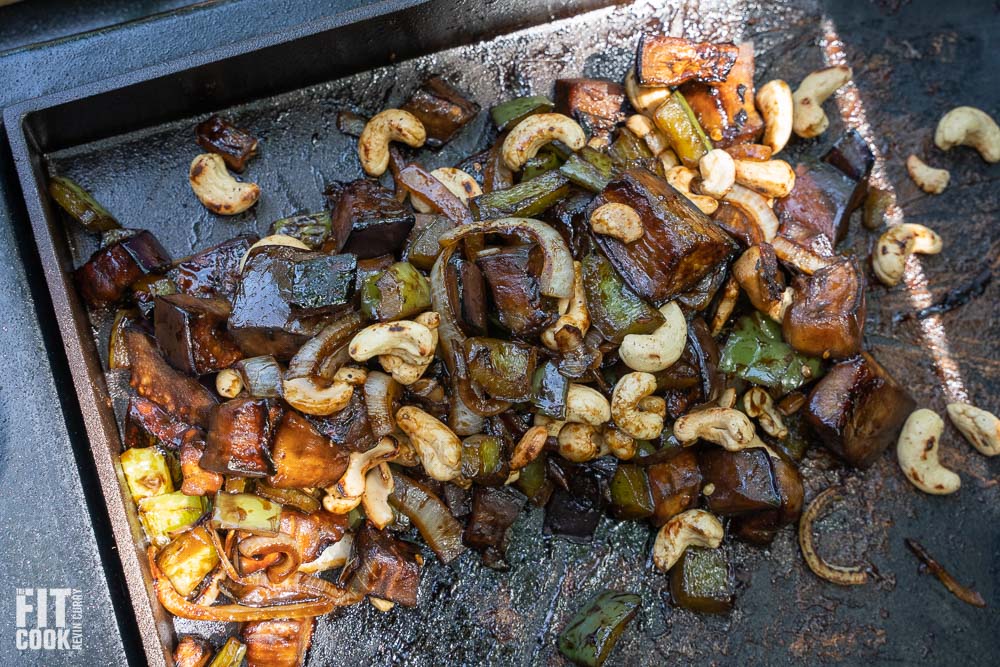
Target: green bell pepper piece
{"x":534,"y":482}
{"x":676,"y":120}
{"x":81,"y":205}
{"x":615,"y":310}
{"x":508,"y":114}
{"x":756,"y":352}
{"x":590,"y":169}
{"x":168,"y":513}
{"x":630,"y":494}
{"x":396,"y":293}
{"x":545,"y":161}
{"x":502,"y":368}
{"x":313,"y":229}
{"x":525,"y":200}
{"x":483,"y":460}
{"x":591,"y":635}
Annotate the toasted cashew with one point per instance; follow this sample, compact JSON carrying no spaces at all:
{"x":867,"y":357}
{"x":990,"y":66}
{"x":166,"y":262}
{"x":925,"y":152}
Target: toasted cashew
{"x":385,"y":127}
{"x":644,"y":99}
{"x":680,"y":178}
{"x":618,"y":220}
{"x":771,"y":178}
{"x":411,"y":341}
{"x":216,"y":188}
{"x":439,"y":448}
{"x":659,"y":350}
{"x":346,"y":494}
{"x":929,"y":179}
{"x":969,"y":126}
{"x":586,"y":406}
{"x":692,"y":528}
{"x":574,"y":312}
{"x":718,"y":172}
{"x":379,"y":484}
{"x":406,"y":373}
{"x":730,"y":294}
{"x":808,"y":119}
{"x":537,"y":130}
{"x":274,"y":239}
{"x":580,"y":443}
{"x":305,"y":395}
{"x":228,"y":383}
{"x":619,"y":444}
{"x":899,"y":242}
{"x":979,"y":427}
{"x":644,"y":128}
{"x":759,"y":404}
{"x":755,"y":207}
{"x":552,"y":426}
{"x":727,"y":399}
{"x":458,"y":183}
{"x":917,"y":451}
{"x":668,"y":160}
{"x":529,"y":447}
{"x":726,"y":427}
{"x":631,"y":415}
{"x":774,"y":101}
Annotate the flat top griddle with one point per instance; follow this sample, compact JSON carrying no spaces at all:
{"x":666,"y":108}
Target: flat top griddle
{"x":469,"y":614}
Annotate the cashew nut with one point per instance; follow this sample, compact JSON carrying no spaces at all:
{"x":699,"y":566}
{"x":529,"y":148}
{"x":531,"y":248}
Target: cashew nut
{"x":668,"y":160}
{"x":659,"y":350}
{"x":771,"y":178}
{"x":439,"y":448}
{"x":763,"y":290}
{"x":406,"y":373}
{"x":899,"y":242}
{"x":774,"y":101}
{"x":726,"y":427}
{"x":379,"y":484}
{"x":637,"y":419}
{"x":274,"y":239}
{"x":730,"y":294}
{"x":574,"y":312}
{"x":727,"y":399}
{"x":808,"y":119}
{"x":619,"y":444}
{"x":644,"y":99}
{"x":917,"y":451}
{"x":346,"y":494}
{"x":384,"y":127}
{"x":307,"y":396}
{"x":411,"y":341}
{"x":552,"y":426}
{"x":228,"y":383}
{"x":979,"y":427}
{"x":969,"y":126}
{"x":756,"y":208}
{"x":680,"y":178}
{"x":644,"y":128}
{"x":580,"y":443}
{"x":537,"y":130}
{"x":216,"y":188}
{"x":529,"y":447}
{"x":929,"y":179}
{"x":458,"y":183}
{"x":759,"y":404}
{"x":618,"y":220}
{"x":718,"y":172}
{"x":693,"y":528}
{"x":586,"y":406}
{"x":334,"y":556}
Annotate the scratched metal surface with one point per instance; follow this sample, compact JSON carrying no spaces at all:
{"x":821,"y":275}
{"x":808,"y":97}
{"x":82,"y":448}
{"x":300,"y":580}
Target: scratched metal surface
{"x":910,"y":65}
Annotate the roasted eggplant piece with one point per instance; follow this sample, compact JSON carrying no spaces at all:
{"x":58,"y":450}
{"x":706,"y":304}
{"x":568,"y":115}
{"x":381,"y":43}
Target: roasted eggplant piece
{"x":744,"y":481}
{"x":303,"y":457}
{"x":679,"y":245}
{"x":827,"y":315}
{"x":494,"y":511}
{"x":111,"y":271}
{"x":615,"y":310}
{"x":192,"y":333}
{"x":367,"y":220}
{"x":153,"y":378}
{"x":422,"y":185}
{"x":735,"y":223}
{"x":422,"y":246}
{"x":239,"y":438}
{"x":502,"y":368}
{"x":387,"y":567}
{"x":148,"y":288}
{"x":196,"y":480}
{"x":580,"y":496}
{"x":313,"y":229}
{"x":214,"y":271}
{"x":192,"y":651}
{"x":597,"y":105}
{"x":821,"y":201}
{"x":761,"y":527}
{"x":857,"y":410}
{"x":399,"y":292}
{"x":467,"y":289}
{"x":149,"y":425}
{"x":854,"y":158}
{"x":349,"y":428}
{"x":442,"y":110}
{"x":670,"y":61}
{"x":674,"y":485}
{"x":510,"y":273}
{"x":726,"y":110}
{"x":81,"y":205}
{"x":549,"y":389}
{"x":278,"y":643}
{"x":702,"y":581}
{"x":236,"y":146}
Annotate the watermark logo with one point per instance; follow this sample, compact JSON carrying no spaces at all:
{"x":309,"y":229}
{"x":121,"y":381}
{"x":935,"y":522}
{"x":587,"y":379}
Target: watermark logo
{"x":48,"y":619}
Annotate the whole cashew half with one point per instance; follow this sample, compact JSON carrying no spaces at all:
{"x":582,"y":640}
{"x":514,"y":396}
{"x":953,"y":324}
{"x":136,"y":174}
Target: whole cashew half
{"x":216,"y":188}
{"x":759,"y":404}
{"x":379,"y":484}
{"x":307,"y":396}
{"x":580,"y":443}
{"x":574,"y":312}
{"x":586,"y":406}
{"x":659,"y":350}
{"x":523,"y":142}
{"x":618,"y":220}
{"x":929,"y":179}
{"x":979,"y":427}
{"x":693,"y":528}
{"x":969,"y":126}
{"x":644,"y":99}
{"x":726,"y":427}
{"x":439,"y":448}
{"x":899,"y":242}
{"x":383,"y":128}
{"x":529,"y":447}
{"x":411,"y":341}
{"x":718,"y":172}
{"x":774,"y":101}
{"x":680,"y":178}
{"x":402,"y":371}
{"x":771,"y":178}
{"x":635,"y":411}
{"x":917,"y":452}
{"x":808,"y":119}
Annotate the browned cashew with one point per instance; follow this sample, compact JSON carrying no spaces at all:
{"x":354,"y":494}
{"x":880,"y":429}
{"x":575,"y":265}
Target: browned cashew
{"x":537,"y":130}
{"x":774,"y":101}
{"x":385,"y":127}
{"x":929,"y":179}
{"x":217,"y":189}
{"x":809,"y":120}
{"x":618,"y":220}
{"x":969,"y":126}
{"x":693,"y":528}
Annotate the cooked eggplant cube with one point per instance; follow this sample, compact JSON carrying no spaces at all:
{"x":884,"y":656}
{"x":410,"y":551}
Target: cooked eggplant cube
{"x":303,"y":457}
{"x":196,"y":480}
{"x":670,"y":61}
{"x":153,"y":378}
{"x":261,"y":376}
{"x":679,"y":245}
{"x":81,"y":205}
{"x":367,"y":220}
{"x":111,"y":271}
{"x":851,"y":155}
{"x":146,"y":289}
{"x":857,"y":410}
{"x":549,"y":389}
{"x":149,"y":425}
{"x":510,"y":273}
{"x":703,"y":582}
{"x":827,"y":315}
{"x":820,"y":202}
{"x":236,"y":146}
{"x":674,"y":485}
{"x":494,"y":511}
{"x":350,"y":428}
{"x":467,"y":288}
{"x":422,"y":246}
{"x":442,"y":110}
{"x":726,"y":109}
{"x":387,"y":566}
{"x":761,"y":527}
{"x":188,"y":559}
{"x":281,"y":642}
{"x":192,"y":333}
{"x":239,"y":438}
{"x":597,"y":104}
{"x":321,"y":283}
{"x":214,"y":271}
{"x":744,"y":480}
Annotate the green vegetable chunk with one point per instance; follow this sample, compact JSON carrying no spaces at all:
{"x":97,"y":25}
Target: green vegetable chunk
{"x":508,"y":114}
{"x":168,"y":513}
{"x":525,"y":200}
{"x":146,"y":472}
{"x":590,"y":169}
{"x":396,"y":293}
{"x":483,"y":460}
{"x":245,"y":511}
{"x":81,"y":205}
{"x":230,"y":655}
{"x":628,"y":150}
{"x":630,"y":494}
{"x":675,"y":118}
{"x":702,"y":581}
{"x":756,"y":352}
{"x":615,"y":310}
{"x":313,"y":229}
{"x":545,"y":161}
{"x":188,"y":559}
{"x":591,"y":635}
{"x":534,"y":483}
{"x":502,"y":368}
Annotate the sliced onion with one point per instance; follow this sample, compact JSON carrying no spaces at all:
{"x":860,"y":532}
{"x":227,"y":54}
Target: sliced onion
{"x":461,"y":419}
{"x":837,"y":574}
{"x":381,"y":395}
{"x":333,"y":556}
{"x":283,"y":546}
{"x":430,"y":515}
{"x":556,"y":279}
{"x":755,"y":207}
{"x":310,"y":358}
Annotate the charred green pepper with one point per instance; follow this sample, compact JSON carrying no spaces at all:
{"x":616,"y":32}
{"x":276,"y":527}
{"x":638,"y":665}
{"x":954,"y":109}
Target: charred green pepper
{"x":545,"y":161}
{"x":168,"y":513}
{"x":615,"y":310}
{"x":628,"y":150}
{"x":502,"y":368}
{"x":81,"y":205}
{"x":591,"y":635}
{"x":756,"y":352}
{"x":525,"y":200}
{"x":398,"y":292}
{"x":146,"y":472}
{"x":549,"y":388}
{"x":245,"y":511}
{"x":702,"y":581}
{"x":188,"y":559}
{"x":630,"y":494}
{"x":230,"y":655}
{"x":590,"y":169}
{"x":313,"y":229}
{"x":675,"y":118}
{"x":484,"y":460}
{"x":533,"y":482}
{"x":296,"y":498}
{"x":422,"y":246}
{"x":508,"y":114}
